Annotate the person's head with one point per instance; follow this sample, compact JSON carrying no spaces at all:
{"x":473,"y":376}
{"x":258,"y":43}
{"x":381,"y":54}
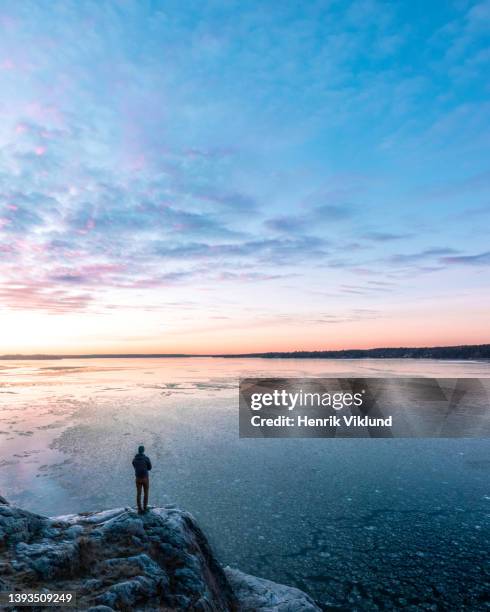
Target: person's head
{"x":141,"y":449}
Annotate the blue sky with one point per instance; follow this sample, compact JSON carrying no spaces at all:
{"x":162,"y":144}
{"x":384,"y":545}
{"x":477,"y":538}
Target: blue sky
{"x":201,"y":176}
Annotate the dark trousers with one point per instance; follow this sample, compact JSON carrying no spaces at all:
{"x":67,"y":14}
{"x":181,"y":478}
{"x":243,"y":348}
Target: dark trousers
{"x":142,"y":484}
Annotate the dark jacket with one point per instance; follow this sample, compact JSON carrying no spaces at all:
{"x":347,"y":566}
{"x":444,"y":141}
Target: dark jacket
{"x":142,"y":465}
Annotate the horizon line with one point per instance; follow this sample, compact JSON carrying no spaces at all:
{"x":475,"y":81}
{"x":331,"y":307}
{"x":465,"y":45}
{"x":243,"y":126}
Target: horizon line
{"x":322,"y":352}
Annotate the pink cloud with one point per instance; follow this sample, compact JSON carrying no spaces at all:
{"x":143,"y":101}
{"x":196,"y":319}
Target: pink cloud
{"x":39,"y":297}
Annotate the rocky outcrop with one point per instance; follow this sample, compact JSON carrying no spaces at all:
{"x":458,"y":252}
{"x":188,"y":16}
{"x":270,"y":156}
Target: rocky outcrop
{"x":119,"y":560}
{"x":258,"y":594}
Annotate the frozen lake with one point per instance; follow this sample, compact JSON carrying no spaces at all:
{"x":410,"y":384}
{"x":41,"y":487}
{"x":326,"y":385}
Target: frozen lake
{"x":366,"y":521}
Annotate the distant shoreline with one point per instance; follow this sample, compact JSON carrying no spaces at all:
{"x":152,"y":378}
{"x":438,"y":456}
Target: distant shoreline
{"x":469,"y":351}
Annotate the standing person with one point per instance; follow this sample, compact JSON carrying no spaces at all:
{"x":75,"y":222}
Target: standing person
{"x":142,"y":465}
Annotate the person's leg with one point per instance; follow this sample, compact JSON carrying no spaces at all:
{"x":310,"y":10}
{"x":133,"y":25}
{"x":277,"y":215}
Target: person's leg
{"x":139,"y":486}
{"x":146,"y":489}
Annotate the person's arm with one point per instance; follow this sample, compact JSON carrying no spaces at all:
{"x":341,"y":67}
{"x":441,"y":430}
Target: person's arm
{"x":148,"y":463}
{"x":133,"y":462}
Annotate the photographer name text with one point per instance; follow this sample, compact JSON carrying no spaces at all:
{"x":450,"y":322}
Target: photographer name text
{"x":330,"y":421}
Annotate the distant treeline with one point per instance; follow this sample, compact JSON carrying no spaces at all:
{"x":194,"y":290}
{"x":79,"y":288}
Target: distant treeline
{"x":471,"y":351}
{"x":475,"y":351}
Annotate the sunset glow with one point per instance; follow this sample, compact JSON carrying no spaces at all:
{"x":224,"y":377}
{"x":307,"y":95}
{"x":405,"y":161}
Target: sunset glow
{"x":240,"y":177}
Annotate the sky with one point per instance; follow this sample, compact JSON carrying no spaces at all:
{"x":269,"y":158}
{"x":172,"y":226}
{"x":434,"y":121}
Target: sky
{"x":224,"y":176}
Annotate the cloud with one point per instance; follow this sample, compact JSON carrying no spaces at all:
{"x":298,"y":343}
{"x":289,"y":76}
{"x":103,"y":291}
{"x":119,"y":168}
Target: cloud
{"x":310,"y":219}
{"x":145,"y":216}
{"x":385,"y":236}
{"x":426,"y":254}
{"x":273,"y":250}
{"x":480,"y":259}
{"x":249,"y":277}
{"x":24,"y":296}
{"x":287,"y":224}
{"x":19,"y":212}
{"x":332,"y":212}
{"x":368,"y":288}
{"x":236,"y":202}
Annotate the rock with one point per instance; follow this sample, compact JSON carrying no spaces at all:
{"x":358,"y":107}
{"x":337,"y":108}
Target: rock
{"x":3,"y":501}
{"x":257,"y":594}
{"x":19,"y":525}
{"x":120,"y":560}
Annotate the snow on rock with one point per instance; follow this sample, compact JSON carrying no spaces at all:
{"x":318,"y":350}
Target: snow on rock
{"x":259,"y":595}
{"x":120,"y":560}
